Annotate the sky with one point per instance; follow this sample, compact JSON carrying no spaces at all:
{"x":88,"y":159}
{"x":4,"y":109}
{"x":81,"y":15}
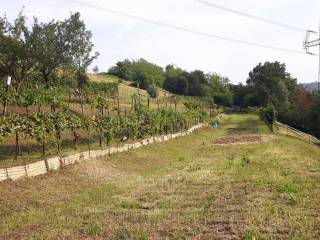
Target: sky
{"x":117,"y":37}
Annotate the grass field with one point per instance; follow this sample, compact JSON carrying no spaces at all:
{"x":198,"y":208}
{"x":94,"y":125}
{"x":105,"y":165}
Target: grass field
{"x":187,"y":188}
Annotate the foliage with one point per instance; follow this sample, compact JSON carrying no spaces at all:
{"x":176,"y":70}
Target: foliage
{"x":153,"y":91}
{"x":100,"y":103}
{"x":176,"y":80}
{"x":142,"y":72}
{"x":41,"y":52}
{"x":272,"y":84}
{"x":268,"y":115}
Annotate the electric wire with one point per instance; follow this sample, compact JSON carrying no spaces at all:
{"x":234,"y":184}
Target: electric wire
{"x":183,"y":29}
{"x":257,"y":18}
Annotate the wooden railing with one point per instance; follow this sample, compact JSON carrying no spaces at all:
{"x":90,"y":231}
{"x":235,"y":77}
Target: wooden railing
{"x":302,"y":135}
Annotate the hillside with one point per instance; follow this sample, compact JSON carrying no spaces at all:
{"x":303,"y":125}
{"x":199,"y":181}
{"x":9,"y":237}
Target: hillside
{"x":30,"y":151}
{"x":125,"y":90}
{"x":189,"y":188}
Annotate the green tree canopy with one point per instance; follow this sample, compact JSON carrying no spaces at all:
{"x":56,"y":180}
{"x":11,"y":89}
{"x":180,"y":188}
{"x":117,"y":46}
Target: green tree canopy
{"x":272,"y":84}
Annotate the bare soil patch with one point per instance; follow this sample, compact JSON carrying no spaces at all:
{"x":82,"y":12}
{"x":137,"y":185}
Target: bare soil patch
{"x":237,"y":139}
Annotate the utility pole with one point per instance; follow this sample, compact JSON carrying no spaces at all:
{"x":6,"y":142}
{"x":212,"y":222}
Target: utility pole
{"x":312,"y":43}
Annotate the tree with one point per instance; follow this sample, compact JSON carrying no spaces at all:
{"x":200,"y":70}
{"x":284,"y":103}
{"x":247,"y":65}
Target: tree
{"x":48,"y":49}
{"x":123,"y":69}
{"x":80,"y":46}
{"x":197,"y":80}
{"x":15,"y":50}
{"x":142,"y":72}
{"x":176,"y":80}
{"x":272,"y":84}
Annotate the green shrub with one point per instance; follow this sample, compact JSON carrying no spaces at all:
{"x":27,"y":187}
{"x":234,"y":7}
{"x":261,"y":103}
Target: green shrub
{"x":153,"y":91}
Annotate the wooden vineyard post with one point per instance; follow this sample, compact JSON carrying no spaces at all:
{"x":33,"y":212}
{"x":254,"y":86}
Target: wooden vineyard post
{"x":89,"y":141}
{"x":46,"y":163}
{"x":118,"y":106}
{"x":6,"y":170}
{"x":148,"y":104}
{"x":25,"y":167}
{"x":61,"y":162}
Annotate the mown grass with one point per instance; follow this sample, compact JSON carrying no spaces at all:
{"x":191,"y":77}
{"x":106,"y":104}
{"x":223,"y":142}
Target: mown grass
{"x":185,"y":189}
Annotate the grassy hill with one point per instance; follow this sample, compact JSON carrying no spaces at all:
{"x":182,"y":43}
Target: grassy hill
{"x":188,"y":188}
{"x":125,"y":88}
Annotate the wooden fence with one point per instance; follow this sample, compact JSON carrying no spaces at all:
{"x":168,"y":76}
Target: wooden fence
{"x":307,"y":137}
{"x":56,"y":163}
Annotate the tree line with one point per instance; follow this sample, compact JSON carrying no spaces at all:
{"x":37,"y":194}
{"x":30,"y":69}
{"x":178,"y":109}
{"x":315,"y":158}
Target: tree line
{"x":271,"y":87}
{"x":268,"y":86}
{"x":148,"y":75}
{"x":45,"y":54}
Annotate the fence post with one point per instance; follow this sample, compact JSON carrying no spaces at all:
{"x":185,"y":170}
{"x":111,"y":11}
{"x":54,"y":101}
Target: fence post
{"x":46,"y":163}
{"x":6,"y":170}
{"x":25,"y":167}
{"x":118,"y":106}
{"x":61,"y":162}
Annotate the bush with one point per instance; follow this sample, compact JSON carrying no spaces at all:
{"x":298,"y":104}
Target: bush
{"x":268,"y":115}
{"x":153,"y":91}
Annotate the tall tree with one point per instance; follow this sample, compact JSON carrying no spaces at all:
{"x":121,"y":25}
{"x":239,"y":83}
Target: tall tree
{"x":15,"y":54}
{"x":272,"y":84}
{"x":80,"y":46}
{"x":48,"y":49}
{"x":176,"y":80}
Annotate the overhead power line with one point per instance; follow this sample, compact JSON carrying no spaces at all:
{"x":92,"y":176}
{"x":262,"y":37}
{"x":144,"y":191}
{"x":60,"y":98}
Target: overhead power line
{"x":183,"y":29}
{"x":261,"y":19}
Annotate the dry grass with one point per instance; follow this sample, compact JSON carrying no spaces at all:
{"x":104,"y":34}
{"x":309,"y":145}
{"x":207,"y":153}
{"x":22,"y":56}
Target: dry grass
{"x":124,"y":88}
{"x":184,"y":189}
